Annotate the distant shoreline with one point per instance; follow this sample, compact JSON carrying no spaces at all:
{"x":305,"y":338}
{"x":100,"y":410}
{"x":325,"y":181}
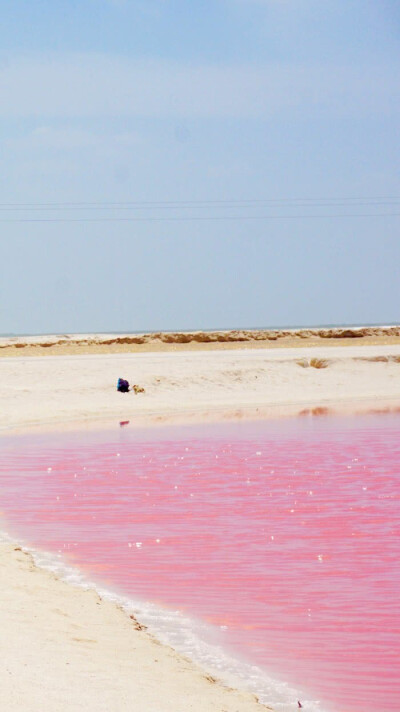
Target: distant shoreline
{"x":273,"y":327}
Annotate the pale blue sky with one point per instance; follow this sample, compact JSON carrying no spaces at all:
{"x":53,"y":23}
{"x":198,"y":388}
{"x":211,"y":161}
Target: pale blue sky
{"x":291,"y":102}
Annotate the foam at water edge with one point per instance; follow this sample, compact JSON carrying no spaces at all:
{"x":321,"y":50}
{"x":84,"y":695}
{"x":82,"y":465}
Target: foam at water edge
{"x":185,"y":635}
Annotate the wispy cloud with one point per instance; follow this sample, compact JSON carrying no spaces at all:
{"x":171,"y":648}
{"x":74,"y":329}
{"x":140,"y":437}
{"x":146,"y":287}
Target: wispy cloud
{"x":95,"y":85}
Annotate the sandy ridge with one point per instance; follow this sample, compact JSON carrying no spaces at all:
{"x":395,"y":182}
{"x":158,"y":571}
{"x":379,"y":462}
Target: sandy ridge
{"x":199,"y":337}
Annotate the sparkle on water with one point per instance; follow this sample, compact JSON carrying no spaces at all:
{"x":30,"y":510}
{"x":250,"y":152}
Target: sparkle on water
{"x":281,"y":535}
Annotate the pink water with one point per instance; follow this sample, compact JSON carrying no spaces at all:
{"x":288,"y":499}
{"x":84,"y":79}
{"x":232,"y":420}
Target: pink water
{"x":284,"y":536}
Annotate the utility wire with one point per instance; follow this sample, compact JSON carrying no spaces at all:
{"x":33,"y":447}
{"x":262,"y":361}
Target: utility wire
{"x":154,"y":211}
{"x":233,"y":218}
{"x":108,"y":207}
{"x":170,"y":204}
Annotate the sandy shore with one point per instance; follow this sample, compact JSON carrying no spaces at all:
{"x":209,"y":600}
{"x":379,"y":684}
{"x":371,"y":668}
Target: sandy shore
{"x":197,"y":385}
{"x":65,"y":649}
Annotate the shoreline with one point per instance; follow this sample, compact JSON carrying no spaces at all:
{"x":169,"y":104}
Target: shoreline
{"x":350,"y":408}
{"x":40,"y":612}
{"x":113,"y":661}
{"x":238,"y":684}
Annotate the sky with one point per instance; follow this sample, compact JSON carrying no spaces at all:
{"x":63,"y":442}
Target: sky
{"x":198,"y":165}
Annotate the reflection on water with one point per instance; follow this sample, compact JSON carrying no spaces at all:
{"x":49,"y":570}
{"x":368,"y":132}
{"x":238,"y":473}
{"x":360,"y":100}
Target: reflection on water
{"x":284,"y":536}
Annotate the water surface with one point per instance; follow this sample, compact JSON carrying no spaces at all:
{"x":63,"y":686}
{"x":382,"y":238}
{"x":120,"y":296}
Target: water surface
{"x":283,"y":536}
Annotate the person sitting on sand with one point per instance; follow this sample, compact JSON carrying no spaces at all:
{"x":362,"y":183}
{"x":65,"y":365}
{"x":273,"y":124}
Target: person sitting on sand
{"x":122,"y":385}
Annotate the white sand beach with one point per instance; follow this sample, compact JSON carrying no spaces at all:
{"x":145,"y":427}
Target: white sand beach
{"x":64,"y":648}
{"x":188,"y":385}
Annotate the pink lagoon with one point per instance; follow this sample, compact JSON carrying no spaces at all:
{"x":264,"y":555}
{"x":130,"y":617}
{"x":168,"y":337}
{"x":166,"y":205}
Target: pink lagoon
{"x":265,"y":549}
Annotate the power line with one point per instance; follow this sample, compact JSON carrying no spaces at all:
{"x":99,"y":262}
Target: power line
{"x":108,"y":207}
{"x":233,"y":218}
{"x":59,"y":205}
{"x":155,"y":211}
